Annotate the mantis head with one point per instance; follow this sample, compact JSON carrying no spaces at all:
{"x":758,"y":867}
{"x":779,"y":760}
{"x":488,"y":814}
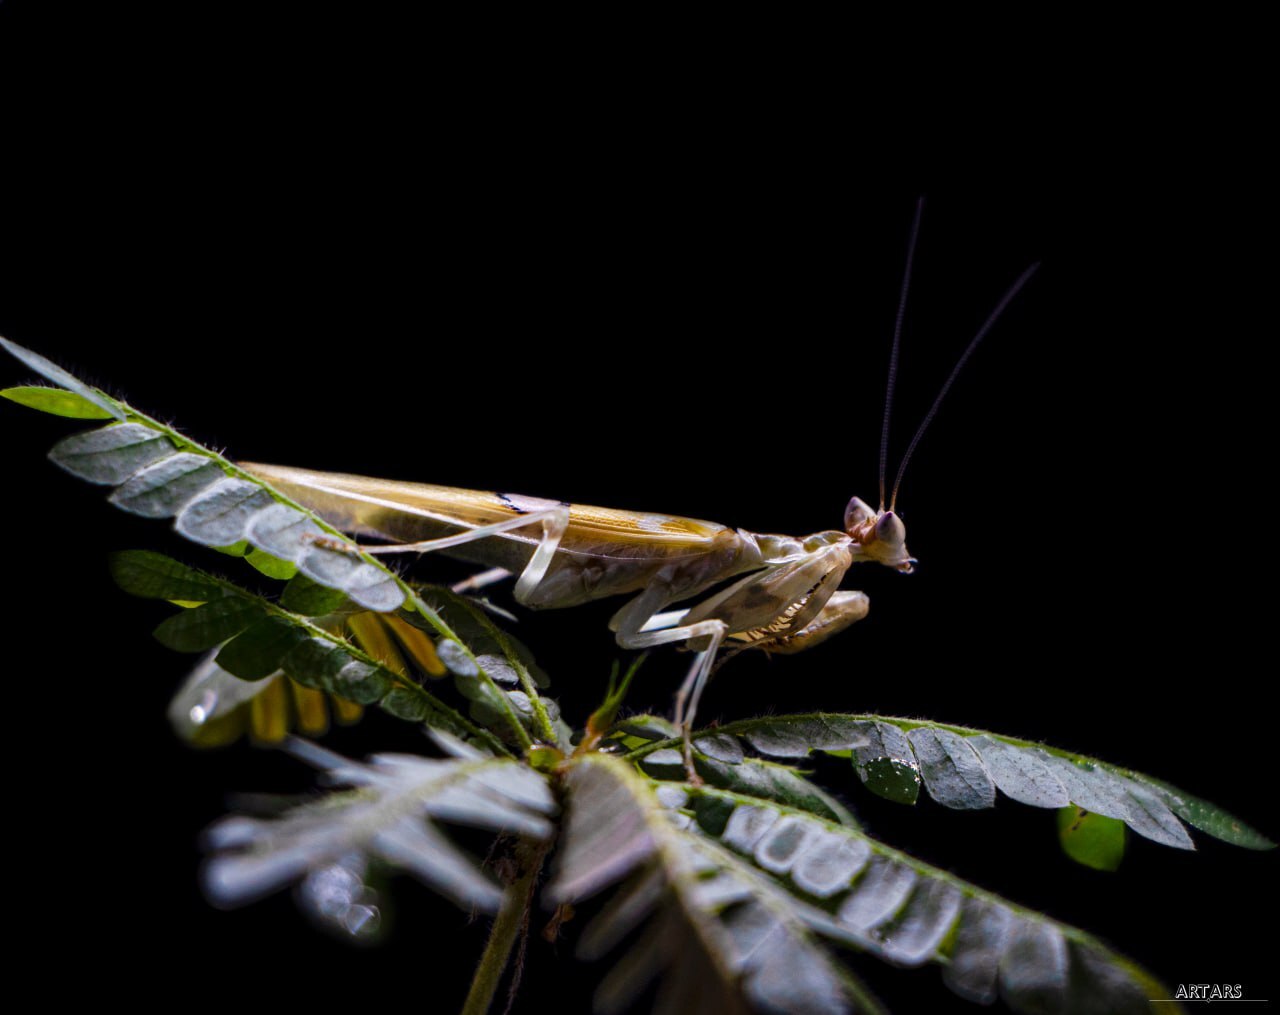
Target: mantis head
{"x":877,"y":535}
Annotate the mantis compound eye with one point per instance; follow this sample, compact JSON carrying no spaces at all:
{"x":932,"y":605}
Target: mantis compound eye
{"x":857,"y":513}
{"x":889,"y":528}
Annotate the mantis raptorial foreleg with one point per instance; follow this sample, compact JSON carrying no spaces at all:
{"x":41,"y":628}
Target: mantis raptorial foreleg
{"x":790,"y":592}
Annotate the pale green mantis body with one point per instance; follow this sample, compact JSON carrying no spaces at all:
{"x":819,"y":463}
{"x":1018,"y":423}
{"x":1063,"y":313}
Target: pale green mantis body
{"x":786,"y":597}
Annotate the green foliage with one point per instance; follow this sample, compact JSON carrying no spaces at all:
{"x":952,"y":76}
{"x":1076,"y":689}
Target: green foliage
{"x":709,"y":913}
{"x":56,"y":402}
{"x":909,"y":913}
{"x":259,"y":638}
{"x":1091,"y":839}
{"x":389,"y":817}
{"x":207,"y":626}
{"x":155,"y":576}
{"x":52,"y":372}
{"x":272,"y":567}
{"x":260,"y":649}
{"x":310,"y":598}
{"x":158,"y":473}
{"x":746,"y":887}
{"x":962,"y":768}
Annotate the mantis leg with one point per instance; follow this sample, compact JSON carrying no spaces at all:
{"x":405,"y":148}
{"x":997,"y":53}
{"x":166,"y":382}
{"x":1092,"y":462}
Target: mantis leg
{"x":784,"y":599}
{"x":635,"y":624}
{"x":481,"y":580}
{"x":554,"y":522}
{"x":659,"y":621}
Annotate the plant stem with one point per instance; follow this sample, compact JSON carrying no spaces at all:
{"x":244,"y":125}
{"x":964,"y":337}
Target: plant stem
{"x":497,"y":950}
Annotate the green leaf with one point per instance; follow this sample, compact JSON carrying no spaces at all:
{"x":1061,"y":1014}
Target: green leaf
{"x":797,"y":736}
{"x":367,"y":584}
{"x":952,"y":771}
{"x":962,"y":767}
{"x":156,"y":576}
{"x":750,"y":776}
{"x":52,"y":372}
{"x":1022,"y":775}
{"x":1209,"y":818}
{"x":317,"y":662}
{"x":473,"y":628}
{"x":207,"y":626}
{"x":285,"y":532}
{"x":162,"y":490}
{"x":110,"y":455}
{"x":272,"y":567}
{"x":404,"y":704}
{"x":257,"y":652}
{"x":886,"y":764}
{"x":1091,"y":839}
{"x":390,"y":817}
{"x":849,"y":887}
{"x":315,"y":655}
{"x":477,"y":675}
{"x":215,"y":504}
{"x":56,"y":402}
{"x":651,"y":728}
{"x":720,"y":944}
{"x":304,"y":596}
{"x":220,"y":515}
{"x":890,"y":778}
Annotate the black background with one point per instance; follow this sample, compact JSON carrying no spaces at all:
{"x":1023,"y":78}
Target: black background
{"x":647,"y":299}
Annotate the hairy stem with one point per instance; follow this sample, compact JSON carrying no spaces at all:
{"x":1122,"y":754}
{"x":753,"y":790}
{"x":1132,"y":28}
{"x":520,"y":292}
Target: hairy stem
{"x":502,"y":936}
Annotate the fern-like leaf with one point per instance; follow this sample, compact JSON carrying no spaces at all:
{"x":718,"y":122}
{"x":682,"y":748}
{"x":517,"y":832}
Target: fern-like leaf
{"x":389,"y":816}
{"x":743,"y":888}
{"x":962,"y":768}
{"x":718,"y":945}
{"x":92,"y":402}
{"x":259,"y":639}
{"x":158,"y":473}
{"x":851,"y":888}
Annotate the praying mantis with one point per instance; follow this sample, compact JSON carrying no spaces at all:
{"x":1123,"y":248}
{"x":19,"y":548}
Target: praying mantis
{"x":784,"y":595}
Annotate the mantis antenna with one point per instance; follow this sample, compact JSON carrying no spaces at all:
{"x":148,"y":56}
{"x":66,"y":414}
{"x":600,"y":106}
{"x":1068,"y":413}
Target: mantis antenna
{"x":893,"y":352}
{"x":933,"y":410}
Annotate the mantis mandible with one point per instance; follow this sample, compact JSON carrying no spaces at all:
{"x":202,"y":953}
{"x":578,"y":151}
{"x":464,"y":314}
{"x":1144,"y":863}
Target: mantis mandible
{"x":786,"y":596}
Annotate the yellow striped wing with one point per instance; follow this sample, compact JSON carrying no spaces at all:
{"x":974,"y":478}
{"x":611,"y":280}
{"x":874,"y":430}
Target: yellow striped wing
{"x":412,"y":512}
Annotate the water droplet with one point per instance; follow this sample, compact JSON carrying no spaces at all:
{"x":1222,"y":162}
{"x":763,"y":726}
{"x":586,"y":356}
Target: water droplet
{"x":203,"y":711}
{"x":362,"y":921}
